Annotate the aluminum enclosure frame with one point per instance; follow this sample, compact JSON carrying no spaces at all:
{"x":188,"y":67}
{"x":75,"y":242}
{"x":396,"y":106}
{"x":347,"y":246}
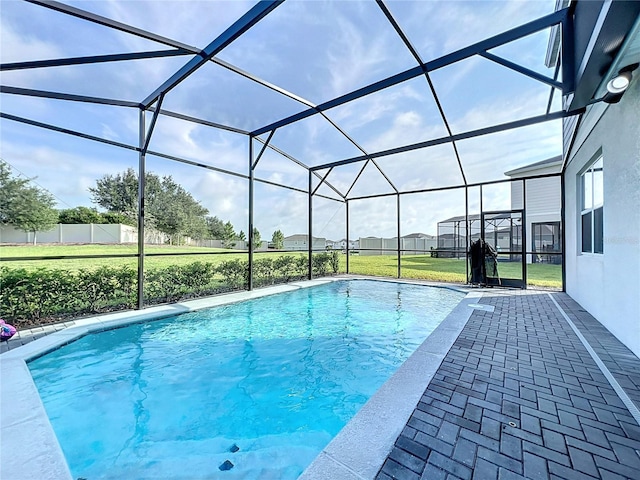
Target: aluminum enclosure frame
{"x":153,"y":103}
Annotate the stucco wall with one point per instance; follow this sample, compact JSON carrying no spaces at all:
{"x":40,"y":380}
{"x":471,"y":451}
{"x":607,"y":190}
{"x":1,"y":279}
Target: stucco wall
{"x":608,"y":285}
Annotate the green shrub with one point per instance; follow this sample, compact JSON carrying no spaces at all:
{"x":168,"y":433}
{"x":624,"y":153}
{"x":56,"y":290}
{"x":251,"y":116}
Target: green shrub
{"x":234,"y":272}
{"x":334,"y":261}
{"x":28,"y":297}
{"x":320,"y":263}
{"x":31,"y":297}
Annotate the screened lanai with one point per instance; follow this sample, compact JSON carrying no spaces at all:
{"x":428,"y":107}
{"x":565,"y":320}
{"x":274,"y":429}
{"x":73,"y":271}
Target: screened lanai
{"x":330,"y":120}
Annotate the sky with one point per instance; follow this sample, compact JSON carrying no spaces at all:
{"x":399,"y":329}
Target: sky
{"x":314,"y":49}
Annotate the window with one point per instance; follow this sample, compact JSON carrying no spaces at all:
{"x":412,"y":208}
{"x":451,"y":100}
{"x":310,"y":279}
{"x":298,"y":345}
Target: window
{"x":591,"y":211}
{"x":546,"y":242}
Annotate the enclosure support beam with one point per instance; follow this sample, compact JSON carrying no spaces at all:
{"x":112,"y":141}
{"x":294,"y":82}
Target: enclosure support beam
{"x":568,"y":55}
{"x":141,"y":188}
{"x":313,"y":192}
{"x":418,"y":59}
{"x":520,"y":69}
{"x":398,"y":233}
{"x":563,"y":242}
{"x":456,"y":137}
{"x":347,"y":233}
{"x":29,"y":92}
{"x":47,"y":126}
{"x":250,"y":234}
{"x":468,"y":232}
{"x":553,"y":90}
{"x":248,"y":20}
{"x":524,"y":233}
{"x":306,"y":167}
{"x":181,"y":47}
{"x":264,"y":147}
{"x":310,"y":239}
{"x":481,"y":211}
{"x":154,"y":119}
{"x":506,"y":37}
{"x":61,"y":62}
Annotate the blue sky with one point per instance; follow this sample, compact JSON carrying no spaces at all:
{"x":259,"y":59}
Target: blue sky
{"x":317,"y":50}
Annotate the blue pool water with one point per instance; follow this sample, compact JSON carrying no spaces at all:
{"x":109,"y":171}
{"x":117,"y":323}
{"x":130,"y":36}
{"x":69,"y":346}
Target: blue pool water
{"x":277,"y":377}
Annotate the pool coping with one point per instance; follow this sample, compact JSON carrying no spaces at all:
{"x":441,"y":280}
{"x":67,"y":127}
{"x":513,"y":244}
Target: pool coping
{"x":359,"y":449}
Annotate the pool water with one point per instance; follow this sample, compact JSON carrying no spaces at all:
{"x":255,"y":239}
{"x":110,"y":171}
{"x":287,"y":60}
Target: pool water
{"x":248,"y":390}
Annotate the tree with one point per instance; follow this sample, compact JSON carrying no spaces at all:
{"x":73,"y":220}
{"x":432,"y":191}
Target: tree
{"x":33,"y":211}
{"x":10,"y":187}
{"x":197,"y":228}
{"x":112,"y":217}
{"x":277,"y":239}
{"x":228,"y":236}
{"x":169,"y":208}
{"x":118,"y":193}
{"x":257,"y":241}
{"x":79,"y":215}
{"x":215,"y":228}
{"x":173,"y":209}
{"x":26,"y":207}
{"x":242,"y":237}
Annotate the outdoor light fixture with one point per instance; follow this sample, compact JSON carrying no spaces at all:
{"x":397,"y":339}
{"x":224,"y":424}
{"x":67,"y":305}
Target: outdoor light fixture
{"x":619,"y":84}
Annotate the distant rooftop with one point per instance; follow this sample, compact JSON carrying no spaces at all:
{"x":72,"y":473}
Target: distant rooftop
{"x":549,"y":162}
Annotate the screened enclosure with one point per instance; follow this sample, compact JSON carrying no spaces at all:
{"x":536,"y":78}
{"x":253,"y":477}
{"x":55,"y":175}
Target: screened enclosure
{"x":322,"y":120}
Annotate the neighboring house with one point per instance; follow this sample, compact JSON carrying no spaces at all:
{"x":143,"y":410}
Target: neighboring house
{"x":301,"y":242}
{"x":543,"y":209}
{"x":602,"y":170}
{"x":342,"y":244}
{"x":418,"y":243}
{"x":543,"y":205}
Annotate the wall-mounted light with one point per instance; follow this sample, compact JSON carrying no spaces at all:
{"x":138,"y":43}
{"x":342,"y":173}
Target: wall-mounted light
{"x":619,"y":84}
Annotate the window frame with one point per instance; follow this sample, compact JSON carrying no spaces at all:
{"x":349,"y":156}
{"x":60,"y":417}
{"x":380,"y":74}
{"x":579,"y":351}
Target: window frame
{"x":591,"y":207}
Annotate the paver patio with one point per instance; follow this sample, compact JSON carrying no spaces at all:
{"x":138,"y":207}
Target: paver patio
{"x":519,"y":396}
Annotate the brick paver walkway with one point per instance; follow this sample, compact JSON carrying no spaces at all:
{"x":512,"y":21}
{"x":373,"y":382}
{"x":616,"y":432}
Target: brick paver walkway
{"x":519,"y":396}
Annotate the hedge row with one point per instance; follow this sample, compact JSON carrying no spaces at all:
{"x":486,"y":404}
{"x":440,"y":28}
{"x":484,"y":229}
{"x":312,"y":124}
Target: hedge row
{"x":45,"y":295}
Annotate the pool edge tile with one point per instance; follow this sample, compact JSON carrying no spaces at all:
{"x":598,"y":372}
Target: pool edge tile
{"x":34,"y":452}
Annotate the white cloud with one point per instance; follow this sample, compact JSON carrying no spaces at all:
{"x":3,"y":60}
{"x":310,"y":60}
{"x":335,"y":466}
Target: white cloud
{"x":65,"y":174}
{"x":18,"y":46}
{"x":225,"y":196}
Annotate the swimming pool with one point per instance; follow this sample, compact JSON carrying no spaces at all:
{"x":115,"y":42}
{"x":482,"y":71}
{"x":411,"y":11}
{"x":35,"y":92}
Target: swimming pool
{"x":273,"y":379}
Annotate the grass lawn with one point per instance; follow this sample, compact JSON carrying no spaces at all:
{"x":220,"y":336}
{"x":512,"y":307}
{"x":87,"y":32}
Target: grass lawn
{"x":448,"y":269}
{"x":212,"y":255}
{"x":413,"y":266}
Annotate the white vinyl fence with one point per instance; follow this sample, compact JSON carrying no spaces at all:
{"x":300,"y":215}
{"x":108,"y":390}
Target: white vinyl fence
{"x":387,"y":246}
{"x":81,"y":233}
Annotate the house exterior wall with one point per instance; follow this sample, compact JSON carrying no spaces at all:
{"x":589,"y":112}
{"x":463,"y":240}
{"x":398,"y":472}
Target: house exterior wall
{"x":543,"y":201}
{"x":299,"y":242}
{"x":608,"y":284}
